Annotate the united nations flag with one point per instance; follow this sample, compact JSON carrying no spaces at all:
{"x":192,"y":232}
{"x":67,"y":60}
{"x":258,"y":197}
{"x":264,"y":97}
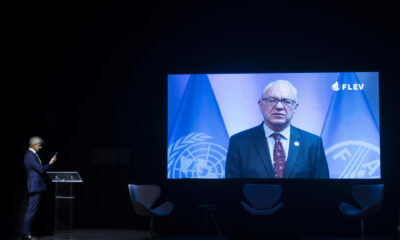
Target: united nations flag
{"x":198,"y":141}
{"x":350,"y":133}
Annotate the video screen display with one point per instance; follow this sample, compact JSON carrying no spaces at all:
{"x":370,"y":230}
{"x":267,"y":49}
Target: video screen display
{"x":274,"y":125}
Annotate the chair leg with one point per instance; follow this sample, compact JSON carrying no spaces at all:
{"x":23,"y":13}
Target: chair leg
{"x":362,"y":228}
{"x":205,"y":221}
{"x":151,"y":227}
{"x":216,"y":225}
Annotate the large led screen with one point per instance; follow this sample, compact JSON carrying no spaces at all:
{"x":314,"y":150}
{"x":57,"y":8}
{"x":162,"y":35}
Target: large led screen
{"x":274,"y":125}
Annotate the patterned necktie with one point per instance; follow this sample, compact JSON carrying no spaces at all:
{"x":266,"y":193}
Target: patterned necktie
{"x":279,"y":156}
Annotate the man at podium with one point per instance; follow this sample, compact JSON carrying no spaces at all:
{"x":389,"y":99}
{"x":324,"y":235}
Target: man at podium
{"x":35,"y":181}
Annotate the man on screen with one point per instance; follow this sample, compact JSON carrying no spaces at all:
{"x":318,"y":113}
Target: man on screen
{"x":275,"y":148}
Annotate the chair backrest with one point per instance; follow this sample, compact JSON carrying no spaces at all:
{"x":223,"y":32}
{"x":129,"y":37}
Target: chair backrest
{"x":367,"y":195}
{"x":262,"y":196}
{"x":144,"y":194}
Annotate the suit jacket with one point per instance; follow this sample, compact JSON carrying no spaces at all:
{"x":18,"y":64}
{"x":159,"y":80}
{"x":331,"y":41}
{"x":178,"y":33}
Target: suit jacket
{"x":248,"y":155}
{"x":35,"y":172}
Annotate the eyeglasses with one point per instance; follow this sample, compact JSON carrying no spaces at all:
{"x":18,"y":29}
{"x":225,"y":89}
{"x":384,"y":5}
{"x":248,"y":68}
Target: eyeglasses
{"x":272,"y":101}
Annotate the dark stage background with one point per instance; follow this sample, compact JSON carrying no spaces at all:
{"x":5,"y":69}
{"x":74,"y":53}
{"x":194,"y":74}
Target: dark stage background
{"x":90,"y":78}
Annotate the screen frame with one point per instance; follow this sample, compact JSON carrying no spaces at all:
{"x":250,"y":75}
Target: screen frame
{"x":282,"y":180}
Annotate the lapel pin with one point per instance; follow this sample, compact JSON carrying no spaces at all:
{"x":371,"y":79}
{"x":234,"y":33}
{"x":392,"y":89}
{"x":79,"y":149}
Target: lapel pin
{"x":296,"y":143}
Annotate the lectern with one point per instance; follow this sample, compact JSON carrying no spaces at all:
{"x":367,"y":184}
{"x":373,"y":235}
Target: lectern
{"x":64,"y":202}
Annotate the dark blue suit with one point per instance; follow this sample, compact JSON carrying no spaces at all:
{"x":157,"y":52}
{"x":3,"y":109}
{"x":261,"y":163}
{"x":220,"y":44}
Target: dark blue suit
{"x":36,"y":185}
{"x":248,"y":155}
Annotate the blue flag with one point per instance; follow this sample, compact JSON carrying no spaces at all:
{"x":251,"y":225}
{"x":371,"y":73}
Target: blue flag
{"x":198,"y":142}
{"x":350,"y":134}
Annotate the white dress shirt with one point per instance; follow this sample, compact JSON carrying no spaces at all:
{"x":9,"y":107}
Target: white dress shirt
{"x":33,"y":150}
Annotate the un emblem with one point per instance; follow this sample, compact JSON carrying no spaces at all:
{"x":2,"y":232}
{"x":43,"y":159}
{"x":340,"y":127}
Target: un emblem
{"x":196,"y":156}
{"x":354,"y":159}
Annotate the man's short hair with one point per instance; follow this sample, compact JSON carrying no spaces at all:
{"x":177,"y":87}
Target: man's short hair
{"x":35,"y":140}
{"x":280,"y":82}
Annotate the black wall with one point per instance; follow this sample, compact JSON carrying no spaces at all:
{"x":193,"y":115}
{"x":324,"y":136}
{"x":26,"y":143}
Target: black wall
{"x":90,"y":78}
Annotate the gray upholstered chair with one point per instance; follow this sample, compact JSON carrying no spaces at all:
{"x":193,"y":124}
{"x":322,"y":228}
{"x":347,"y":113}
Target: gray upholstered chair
{"x":262,"y":198}
{"x":369,"y":197}
{"x":143,"y":197}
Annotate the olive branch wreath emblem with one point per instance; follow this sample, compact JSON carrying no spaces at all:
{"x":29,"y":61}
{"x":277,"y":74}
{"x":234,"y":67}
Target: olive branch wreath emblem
{"x":182,"y":143}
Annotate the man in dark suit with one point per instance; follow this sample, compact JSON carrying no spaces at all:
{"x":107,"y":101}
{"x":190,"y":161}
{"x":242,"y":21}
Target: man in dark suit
{"x":35,"y":181}
{"x":276,"y":149}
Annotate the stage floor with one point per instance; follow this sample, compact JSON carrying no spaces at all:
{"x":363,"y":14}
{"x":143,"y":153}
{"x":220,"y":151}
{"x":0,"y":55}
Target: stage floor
{"x":112,"y":234}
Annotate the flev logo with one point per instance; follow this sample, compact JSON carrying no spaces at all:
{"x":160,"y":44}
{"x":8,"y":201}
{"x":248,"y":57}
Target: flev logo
{"x":347,"y":87}
{"x":335,"y":86}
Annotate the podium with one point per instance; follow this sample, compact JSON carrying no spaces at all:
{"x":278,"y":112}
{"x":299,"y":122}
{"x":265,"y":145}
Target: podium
{"x":64,"y":202}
